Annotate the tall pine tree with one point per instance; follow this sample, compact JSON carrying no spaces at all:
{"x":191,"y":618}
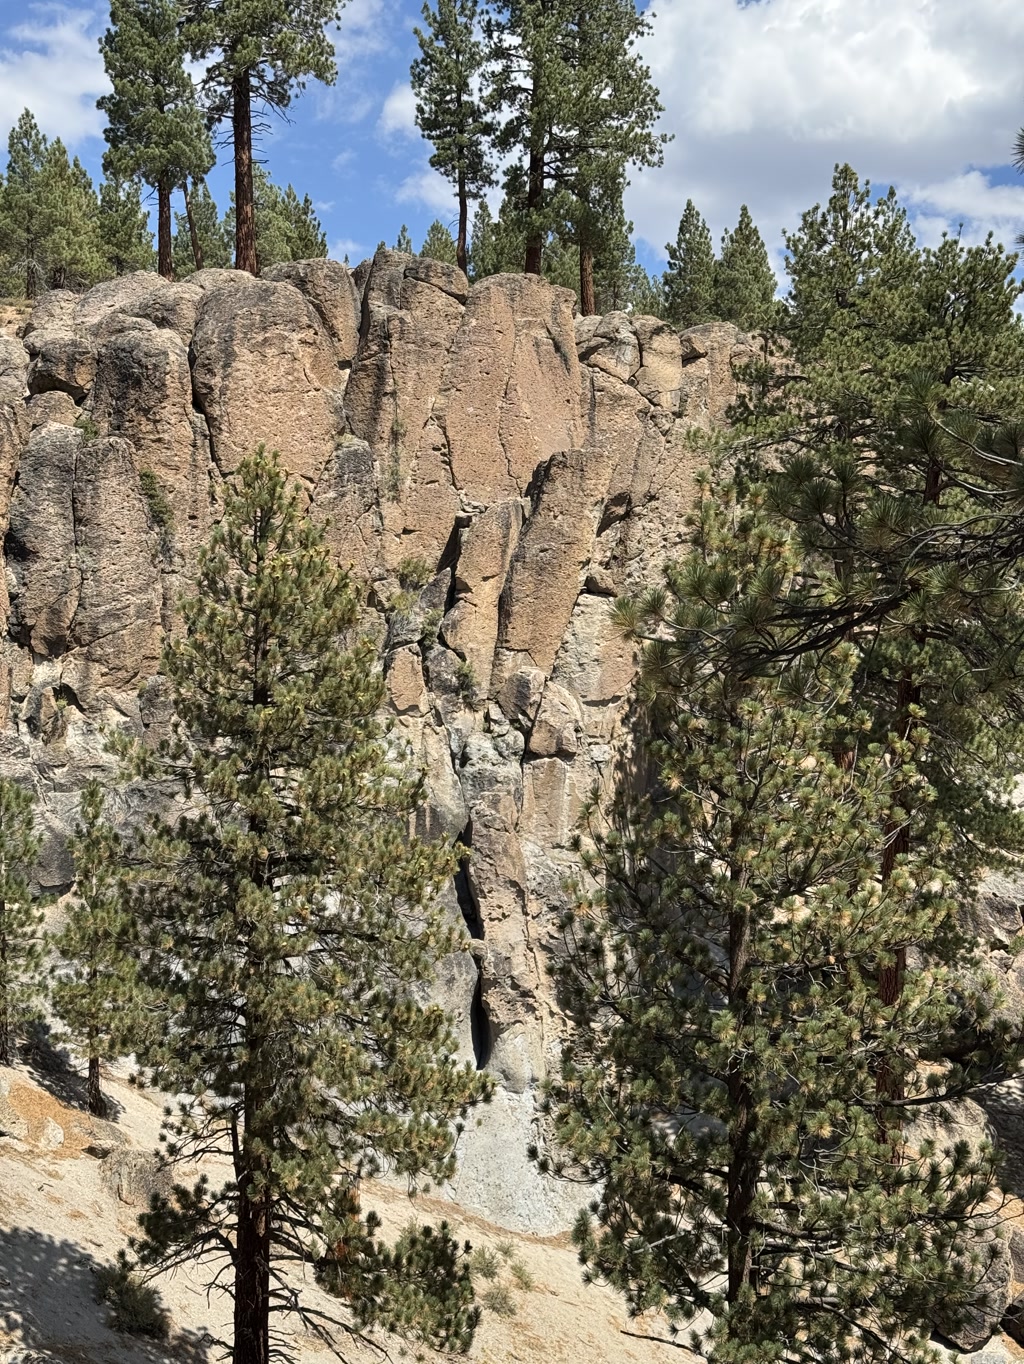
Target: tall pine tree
{"x":25,"y":221}
{"x":744,"y":283}
{"x":689,"y":281}
{"x":726,"y":1074}
{"x":288,"y":917}
{"x":449,"y":111}
{"x":439,"y":244}
{"x":124,"y":227}
{"x":96,"y":992}
{"x":21,"y":949}
{"x":154,"y":128}
{"x":256,"y":54}
{"x":75,"y":254}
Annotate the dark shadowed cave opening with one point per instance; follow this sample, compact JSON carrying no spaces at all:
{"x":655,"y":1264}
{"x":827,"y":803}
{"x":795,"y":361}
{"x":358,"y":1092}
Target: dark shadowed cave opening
{"x":480,"y":1025}
{"x":464,"y":890}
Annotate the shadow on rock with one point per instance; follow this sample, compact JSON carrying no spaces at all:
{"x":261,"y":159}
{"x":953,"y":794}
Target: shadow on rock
{"x":48,"y":1294}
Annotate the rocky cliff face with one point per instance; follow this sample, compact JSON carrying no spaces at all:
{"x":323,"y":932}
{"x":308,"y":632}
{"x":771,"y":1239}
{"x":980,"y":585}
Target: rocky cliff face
{"x":494,"y":469}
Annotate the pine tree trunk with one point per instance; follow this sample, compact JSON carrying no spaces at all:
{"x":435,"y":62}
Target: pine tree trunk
{"x":252,"y":1274}
{"x":588,"y":303}
{"x":94,"y":1094}
{"x":193,"y":235}
{"x":245,"y":211}
{"x":5,"y":1008}
{"x":743,"y":1163}
{"x":461,"y":254}
{"x":534,"y":201}
{"x":165,"y":257}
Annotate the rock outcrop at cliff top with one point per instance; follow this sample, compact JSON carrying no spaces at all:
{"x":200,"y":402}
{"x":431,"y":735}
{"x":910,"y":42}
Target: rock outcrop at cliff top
{"x":495,"y":470}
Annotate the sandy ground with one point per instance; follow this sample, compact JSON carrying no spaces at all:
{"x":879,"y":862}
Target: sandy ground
{"x":70,"y":1191}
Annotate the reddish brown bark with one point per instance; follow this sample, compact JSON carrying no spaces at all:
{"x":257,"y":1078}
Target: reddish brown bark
{"x":245,"y":210}
{"x":165,"y":257}
{"x":588,"y":301}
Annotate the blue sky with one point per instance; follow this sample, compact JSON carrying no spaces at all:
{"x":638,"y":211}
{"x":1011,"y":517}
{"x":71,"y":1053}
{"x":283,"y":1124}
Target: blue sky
{"x":762,"y":98}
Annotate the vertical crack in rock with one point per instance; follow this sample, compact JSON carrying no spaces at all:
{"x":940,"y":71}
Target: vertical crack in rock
{"x":480,"y":1024}
{"x":464,"y":890}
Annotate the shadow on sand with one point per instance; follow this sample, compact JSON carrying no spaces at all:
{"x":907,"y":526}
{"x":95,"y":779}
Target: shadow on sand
{"x":48,"y":1292}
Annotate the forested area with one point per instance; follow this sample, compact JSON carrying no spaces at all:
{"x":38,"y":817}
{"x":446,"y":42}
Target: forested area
{"x":772,"y":995}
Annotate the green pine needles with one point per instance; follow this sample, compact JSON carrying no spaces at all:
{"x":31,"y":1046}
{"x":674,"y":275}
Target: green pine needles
{"x":96,"y":991}
{"x":287,"y":918}
{"x":733,"y":1073}
{"x":21,"y":947}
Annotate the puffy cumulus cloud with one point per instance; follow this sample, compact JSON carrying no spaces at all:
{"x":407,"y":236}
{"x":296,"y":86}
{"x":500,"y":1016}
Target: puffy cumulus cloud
{"x":50,"y":63}
{"x":765,"y":97}
{"x":428,"y":188}
{"x":398,"y":115}
{"x":346,"y":246}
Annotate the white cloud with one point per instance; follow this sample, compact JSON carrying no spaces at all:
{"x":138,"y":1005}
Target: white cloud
{"x":50,"y":63}
{"x":765,"y":97}
{"x":345,"y":246}
{"x":399,"y":112}
{"x":429,"y":188}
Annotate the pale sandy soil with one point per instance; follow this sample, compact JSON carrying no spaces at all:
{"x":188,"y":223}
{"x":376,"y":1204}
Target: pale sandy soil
{"x":61,"y":1217}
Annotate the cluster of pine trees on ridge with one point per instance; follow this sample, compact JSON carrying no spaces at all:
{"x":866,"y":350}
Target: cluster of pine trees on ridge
{"x":557,"y":96}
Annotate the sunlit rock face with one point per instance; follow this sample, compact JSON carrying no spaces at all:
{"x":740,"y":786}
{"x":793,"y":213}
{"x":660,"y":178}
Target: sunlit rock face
{"x":493,"y":468}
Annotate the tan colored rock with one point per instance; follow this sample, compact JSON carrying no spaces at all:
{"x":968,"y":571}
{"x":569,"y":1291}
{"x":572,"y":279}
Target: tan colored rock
{"x":62,"y":360}
{"x":405,"y":681}
{"x":43,"y":573}
{"x":559,"y":723}
{"x":547,"y":571}
{"x":510,"y":395}
{"x":347,"y":495}
{"x":143,"y":392}
{"x":328,"y":286}
{"x":116,"y":630}
{"x":597,"y":665}
{"x":486,"y":547}
{"x":55,"y":406}
{"x":520,"y":696}
{"x":660,"y":375}
{"x":409,"y":327}
{"x":264,"y":372}
{"x":612,"y":346}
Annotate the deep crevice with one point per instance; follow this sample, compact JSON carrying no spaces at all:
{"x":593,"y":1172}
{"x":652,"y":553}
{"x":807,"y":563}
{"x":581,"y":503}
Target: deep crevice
{"x":464,"y":890}
{"x":480,"y":1025}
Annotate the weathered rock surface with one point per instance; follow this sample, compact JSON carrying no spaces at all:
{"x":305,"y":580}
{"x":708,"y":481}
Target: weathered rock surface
{"x":494,"y":469}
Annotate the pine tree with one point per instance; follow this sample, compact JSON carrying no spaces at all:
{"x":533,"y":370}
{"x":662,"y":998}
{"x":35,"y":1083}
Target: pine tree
{"x":96,"y":991}
{"x":725,"y":1071}
{"x":20,"y":920}
{"x":404,"y":241}
{"x":212,"y":234}
{"x":288,"y":920}
{"x":24,"y":215}
{"x":154,"y":127}
{"x":287,"y":227}
{"x":449,"y":113}
{"x":689,"y":281}
{"x":306,"y":238}
{"x":744,"y":284}
{"x":899,"y":466}
{"x":256,"y":53}
{"x":124,"y":227}
{"x":439,"y":244}
{"x":495,"y":247}
{"x":75,"y":255}
{"x":579,"y":107}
